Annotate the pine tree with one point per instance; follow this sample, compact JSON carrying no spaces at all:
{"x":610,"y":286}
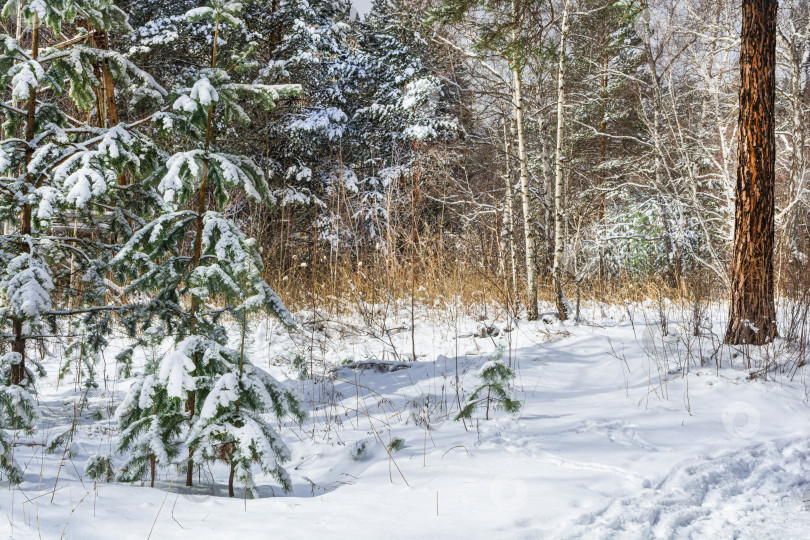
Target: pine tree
{"x":18,"y":412}
{"x":493,"y":390}
{"x":58,"y":171}
{"x":371,"y":99}
{"x":752,"y":313}
{"x":230,"y":425}
{"x":181,"y":274}
{"x":150,"y":421}
{"x":99,"y":468}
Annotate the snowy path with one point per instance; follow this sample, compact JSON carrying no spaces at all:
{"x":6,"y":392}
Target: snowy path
{"x":607,"y":445}
{"x":752,"y":492}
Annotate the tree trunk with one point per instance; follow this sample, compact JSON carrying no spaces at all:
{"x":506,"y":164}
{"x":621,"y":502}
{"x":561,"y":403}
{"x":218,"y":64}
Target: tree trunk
{"x":797,"y":52}
{"x":752,"y":317}
{"x":528,"y":227}
{"x":489,"y":394}
{"x":103,"y":42}
{"x":230,"y":480}
{"x":110,"y":109}
{"x":510,"y":211}
{"x":547,"y":195}
{"x":559,"y":181}
{"x":18,"y":345}
{"x":191,"y":400}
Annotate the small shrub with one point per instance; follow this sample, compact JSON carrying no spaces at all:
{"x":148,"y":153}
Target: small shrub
{"x":299,"y":364}
{"x":493,"y":391}
{"x":359,"y":451}
{"x":99,"y":468}
{"x":396,"y":445}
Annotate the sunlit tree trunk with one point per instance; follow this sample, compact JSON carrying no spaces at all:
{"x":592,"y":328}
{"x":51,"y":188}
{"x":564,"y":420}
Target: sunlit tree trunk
{"x":752,"y":317}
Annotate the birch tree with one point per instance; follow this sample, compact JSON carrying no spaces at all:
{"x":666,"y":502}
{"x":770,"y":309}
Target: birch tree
{"x":559,"y":181}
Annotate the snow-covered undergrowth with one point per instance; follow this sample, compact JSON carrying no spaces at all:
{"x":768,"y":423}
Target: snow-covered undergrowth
{"x":623,"y":432}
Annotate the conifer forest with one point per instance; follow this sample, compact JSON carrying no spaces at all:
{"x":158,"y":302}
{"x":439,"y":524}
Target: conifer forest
{"x":404,"y":269}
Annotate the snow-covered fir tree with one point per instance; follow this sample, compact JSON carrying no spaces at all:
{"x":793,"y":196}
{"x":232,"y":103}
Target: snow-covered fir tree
{"x":150,"y":421}
{"x":185,"y":260}
{"x":18,"y":412}
{"x":231,"y":425}
{"x":371,"y":102}
{"x":62,"y":174}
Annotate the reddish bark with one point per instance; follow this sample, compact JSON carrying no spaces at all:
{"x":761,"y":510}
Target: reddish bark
{"x":752,"y":317}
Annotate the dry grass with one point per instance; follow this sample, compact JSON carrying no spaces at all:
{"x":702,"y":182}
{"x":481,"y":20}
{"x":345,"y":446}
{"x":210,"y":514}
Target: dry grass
{"x":438,"y":280}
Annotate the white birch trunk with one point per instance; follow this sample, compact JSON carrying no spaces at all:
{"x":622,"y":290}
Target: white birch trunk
{"x":510,"y":211}
{"x":528,"y":228}
{"x":559,"y":181}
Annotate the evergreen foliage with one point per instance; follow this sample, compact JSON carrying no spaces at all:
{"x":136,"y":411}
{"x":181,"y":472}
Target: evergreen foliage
{"x":18,"y":412}
{"x":60,"y":175}
{"x":99,"y":468}
{"x":493,"y":391}
{"x":206,"y":394}
{"x":371,"y":102}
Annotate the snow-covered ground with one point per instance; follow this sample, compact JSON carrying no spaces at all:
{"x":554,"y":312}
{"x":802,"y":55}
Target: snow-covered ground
{"x":619,"y":436}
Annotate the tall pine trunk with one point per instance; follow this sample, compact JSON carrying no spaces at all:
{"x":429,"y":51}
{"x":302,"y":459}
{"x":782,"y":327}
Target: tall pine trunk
{"x":752,"y":317}
{"x":18,"y":345}
{"x":230,"y":479}
{"x":110,"y":109}
{"x":191,"y":400}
